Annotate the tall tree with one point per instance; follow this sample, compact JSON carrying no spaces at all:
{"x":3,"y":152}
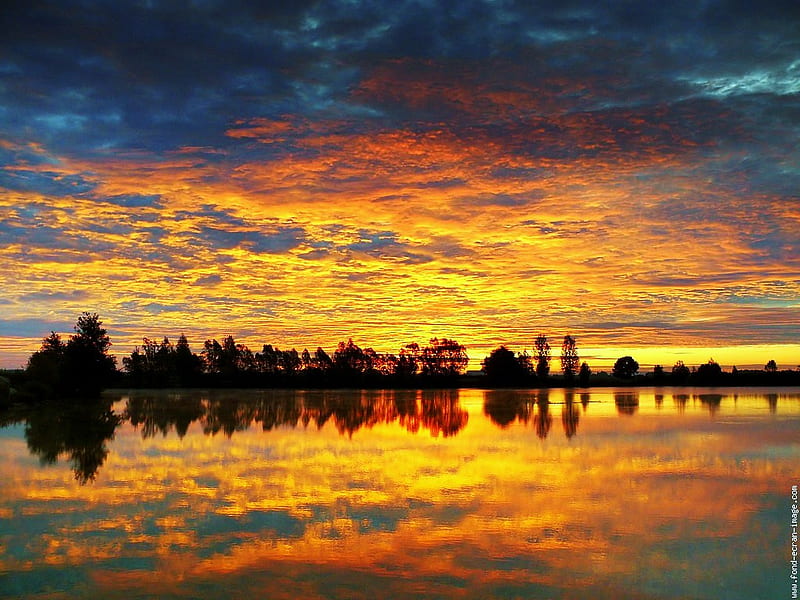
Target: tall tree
{"x":89,"y":367}
{"x":82,"y":366}
{"x":542,"y":356}
{"x":585,"y":374}
{"x":569,"y":357}
{"x":187,"y":364}
{"x":349,"y":359}
{"x":46,"y":366}
{"x":407,"y":360}
{"x":444,"y":358}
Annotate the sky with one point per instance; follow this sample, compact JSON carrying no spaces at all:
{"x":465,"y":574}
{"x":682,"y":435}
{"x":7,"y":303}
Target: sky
{"x":302,"y":173}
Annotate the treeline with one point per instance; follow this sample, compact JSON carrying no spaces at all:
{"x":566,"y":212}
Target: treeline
{"x":230,"y":364}
{"x":81,"y":367}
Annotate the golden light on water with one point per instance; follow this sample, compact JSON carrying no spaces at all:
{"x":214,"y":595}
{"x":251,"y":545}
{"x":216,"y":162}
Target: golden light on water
{"x":489,"y":505}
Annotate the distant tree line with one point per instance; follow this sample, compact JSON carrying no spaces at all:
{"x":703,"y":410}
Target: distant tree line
{"x":228,"y":363}
{"x":81,"y":367}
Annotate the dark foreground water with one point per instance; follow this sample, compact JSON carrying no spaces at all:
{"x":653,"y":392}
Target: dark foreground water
{"x":646,"y":494}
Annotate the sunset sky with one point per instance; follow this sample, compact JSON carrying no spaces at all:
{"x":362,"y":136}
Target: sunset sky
{"x":305,"y":172}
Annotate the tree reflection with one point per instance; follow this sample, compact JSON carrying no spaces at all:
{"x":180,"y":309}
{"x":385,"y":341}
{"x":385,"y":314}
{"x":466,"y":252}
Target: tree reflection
{"x":570,"y":415}
{"x":279,"y":410}
{"x":680,"y":401}
{"x":80,"y":432}
{"x":157,"y":413}
{"x":772,"y":400}
{"x":627,"y":402}
{"x":228,"y":413}
{"x":505,"y":407}
{"x":542,"y":420}
{"x":438,"y":411}
{"x":442,"y":412}
{"x":712,"y":401}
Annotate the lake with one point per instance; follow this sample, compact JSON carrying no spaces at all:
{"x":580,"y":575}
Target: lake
{"x":673,"y":493}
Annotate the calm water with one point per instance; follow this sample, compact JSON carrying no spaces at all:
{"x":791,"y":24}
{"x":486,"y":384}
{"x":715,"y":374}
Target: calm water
{"x":648,"y":494}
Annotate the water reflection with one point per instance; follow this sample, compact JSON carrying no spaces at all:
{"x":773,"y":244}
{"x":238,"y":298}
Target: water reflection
{"x":331,"y":495}
{"x":570,"y":415}
{"x":680,"y":400}
{"x":772,"y":400}
{"x":506,"y":407}
{"x":80,"y":432}
{"x":712,"y":401}
{"x":627,"y":402}
{"x":437,"y":411}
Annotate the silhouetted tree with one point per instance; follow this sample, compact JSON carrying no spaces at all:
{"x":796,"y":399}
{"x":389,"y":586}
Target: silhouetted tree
{"x":625,"y":367}
{"x":584,"y":375}
{"x":212,"y":356}
{"x":569,"y":358}
{"x":350,"y":360}
{"x":81,"y":367}
{"x":680,"y":373}
{"x":658,"y":374}
{"x":152,"y":363}
{"x":709,"y":372}
{"x":46,"y":366}
{"x":771,"y":367}
{"x":443,"y":358}
{"x":228,"y":358}
{"x":322,"y":361}
{"x":290,"y":362}
{"x":503,"y":366}
{"x":306,"y":360}
{"x":187,"y":364}
{"x":542,"y":356}
{"x":408,"y":360}
{"x":89,"y":368}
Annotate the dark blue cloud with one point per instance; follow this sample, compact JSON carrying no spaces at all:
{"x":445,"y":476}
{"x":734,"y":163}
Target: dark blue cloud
{"x":32,"y":327}
{"x":54,"y":296}
{"x":386,"y":245}
{"x":135,"y":200}
{"x":162,"y":75}
{"x":47,"y":183}
{"x":208,"y":280}
{"x":272,"y":240}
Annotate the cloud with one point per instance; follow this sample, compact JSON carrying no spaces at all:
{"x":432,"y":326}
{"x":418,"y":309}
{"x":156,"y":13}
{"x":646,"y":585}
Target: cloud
{"x":273,"y":240}
{"x":74,"y":295}
{"x":539,"y":161}
{"x":32,"y":327}
{"x":135,"y":200}
{"x":208,"y":280}
{"x":47,"y":183}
